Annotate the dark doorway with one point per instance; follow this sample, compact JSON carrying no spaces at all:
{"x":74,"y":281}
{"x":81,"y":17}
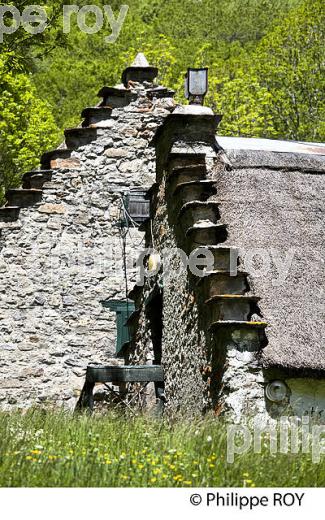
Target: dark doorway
{"x":154,"y":315}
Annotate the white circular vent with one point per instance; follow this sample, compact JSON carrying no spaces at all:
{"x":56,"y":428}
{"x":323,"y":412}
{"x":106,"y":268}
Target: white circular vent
{"x":276,"y":391}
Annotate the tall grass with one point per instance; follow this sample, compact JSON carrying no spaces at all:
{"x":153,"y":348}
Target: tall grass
{"x":50,"y":449}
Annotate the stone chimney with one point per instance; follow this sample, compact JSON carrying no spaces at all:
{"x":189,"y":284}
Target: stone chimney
{"x":139,"y":72}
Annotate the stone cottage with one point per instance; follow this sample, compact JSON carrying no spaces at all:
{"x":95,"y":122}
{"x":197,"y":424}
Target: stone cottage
{"x":147,"y":241}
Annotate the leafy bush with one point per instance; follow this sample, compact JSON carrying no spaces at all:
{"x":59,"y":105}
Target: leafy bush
{"x":27,"y":126}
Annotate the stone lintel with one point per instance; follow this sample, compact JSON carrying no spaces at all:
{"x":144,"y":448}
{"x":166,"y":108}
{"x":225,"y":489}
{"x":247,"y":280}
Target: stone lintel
{"x":116,"y":97}
{"x":188,"y":126}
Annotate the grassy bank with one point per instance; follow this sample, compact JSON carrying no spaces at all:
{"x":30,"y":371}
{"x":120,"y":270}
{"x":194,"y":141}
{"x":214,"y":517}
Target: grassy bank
{"x":55,"y":449}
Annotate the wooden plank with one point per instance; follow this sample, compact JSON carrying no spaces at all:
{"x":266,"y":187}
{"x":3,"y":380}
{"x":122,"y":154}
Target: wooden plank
{"x":126,"y":374}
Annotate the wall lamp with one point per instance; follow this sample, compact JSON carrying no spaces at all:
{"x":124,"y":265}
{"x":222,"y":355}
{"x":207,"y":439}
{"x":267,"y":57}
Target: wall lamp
{"x":196,"y":85}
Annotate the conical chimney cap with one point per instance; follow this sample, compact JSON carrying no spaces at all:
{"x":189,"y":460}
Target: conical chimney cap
{"x":140,"y":61}
{"x":139,"y":71}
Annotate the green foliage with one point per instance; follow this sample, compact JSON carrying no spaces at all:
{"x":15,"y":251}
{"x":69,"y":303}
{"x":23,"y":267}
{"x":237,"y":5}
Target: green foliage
{"x":21,"y":48}
{"x":27,"y":126}
{"x":276,"y":89}
{"x":251,"y":48}
{"x":71,"y":79}
{"x":266,"y":61}
{"x":53,"y":449}
{"x":243,"y":105}
{"x":290,"y":63}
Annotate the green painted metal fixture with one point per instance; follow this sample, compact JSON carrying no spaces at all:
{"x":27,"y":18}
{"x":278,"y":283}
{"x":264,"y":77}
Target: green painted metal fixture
{"x":123,"y":311}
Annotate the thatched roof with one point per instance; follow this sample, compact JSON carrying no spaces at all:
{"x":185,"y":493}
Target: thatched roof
{"x":273,"y":201}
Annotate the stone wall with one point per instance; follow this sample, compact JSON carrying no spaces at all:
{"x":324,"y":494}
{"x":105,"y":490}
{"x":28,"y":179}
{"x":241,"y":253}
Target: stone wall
{"x":183,"y":342}
{"x":185,"y":346}
{"x":213,"y":351}
{"x":63,"y":256}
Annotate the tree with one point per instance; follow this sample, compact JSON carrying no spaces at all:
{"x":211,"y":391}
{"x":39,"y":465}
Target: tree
{"x":20,"y":48}
{"x":27,"y":127}
{"x":276,"y":90}
{"x":171,"y":33}
{"x":290,"y":64}
{"x":266,"y":61}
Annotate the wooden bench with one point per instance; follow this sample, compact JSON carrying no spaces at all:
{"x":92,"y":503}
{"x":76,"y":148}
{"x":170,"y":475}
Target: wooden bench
{"x":117,"y":375}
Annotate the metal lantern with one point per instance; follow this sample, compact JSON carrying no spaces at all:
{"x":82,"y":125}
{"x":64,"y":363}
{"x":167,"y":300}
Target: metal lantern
{"x":137,"y":206}
{"x":196,"y":85}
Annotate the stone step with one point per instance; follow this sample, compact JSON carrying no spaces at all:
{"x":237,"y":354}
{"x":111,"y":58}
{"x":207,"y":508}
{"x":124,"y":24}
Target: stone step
{"x":197,"y":211}
{"x":94,"y":115}
{"x":193,"y":127}
{"x":224,"y":258}
{"x":186,"y":174}
{"x":248,"y":333}
{"x":205,"y":233}
{"x":239,"y":323}
{"x":80,"y":136}
{"x":221,"y":282}
{"x":23,"y":197}
{"x":9,"y":213}
{"x":178,"y":168}
{"x":246,"y":336}
{"x":201,"y":188}
{"x":190,"y":192}
{"x":36,"y":178}
{"x":116,"y":97}
{"x":60,"y":158}
{"x":183,"y":160}
{"x":230,"y":307}
{"x":186,"y":168}
{"x":160,"y":92}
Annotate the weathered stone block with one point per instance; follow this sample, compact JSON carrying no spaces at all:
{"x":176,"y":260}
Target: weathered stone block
{"x":52,"y":209}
